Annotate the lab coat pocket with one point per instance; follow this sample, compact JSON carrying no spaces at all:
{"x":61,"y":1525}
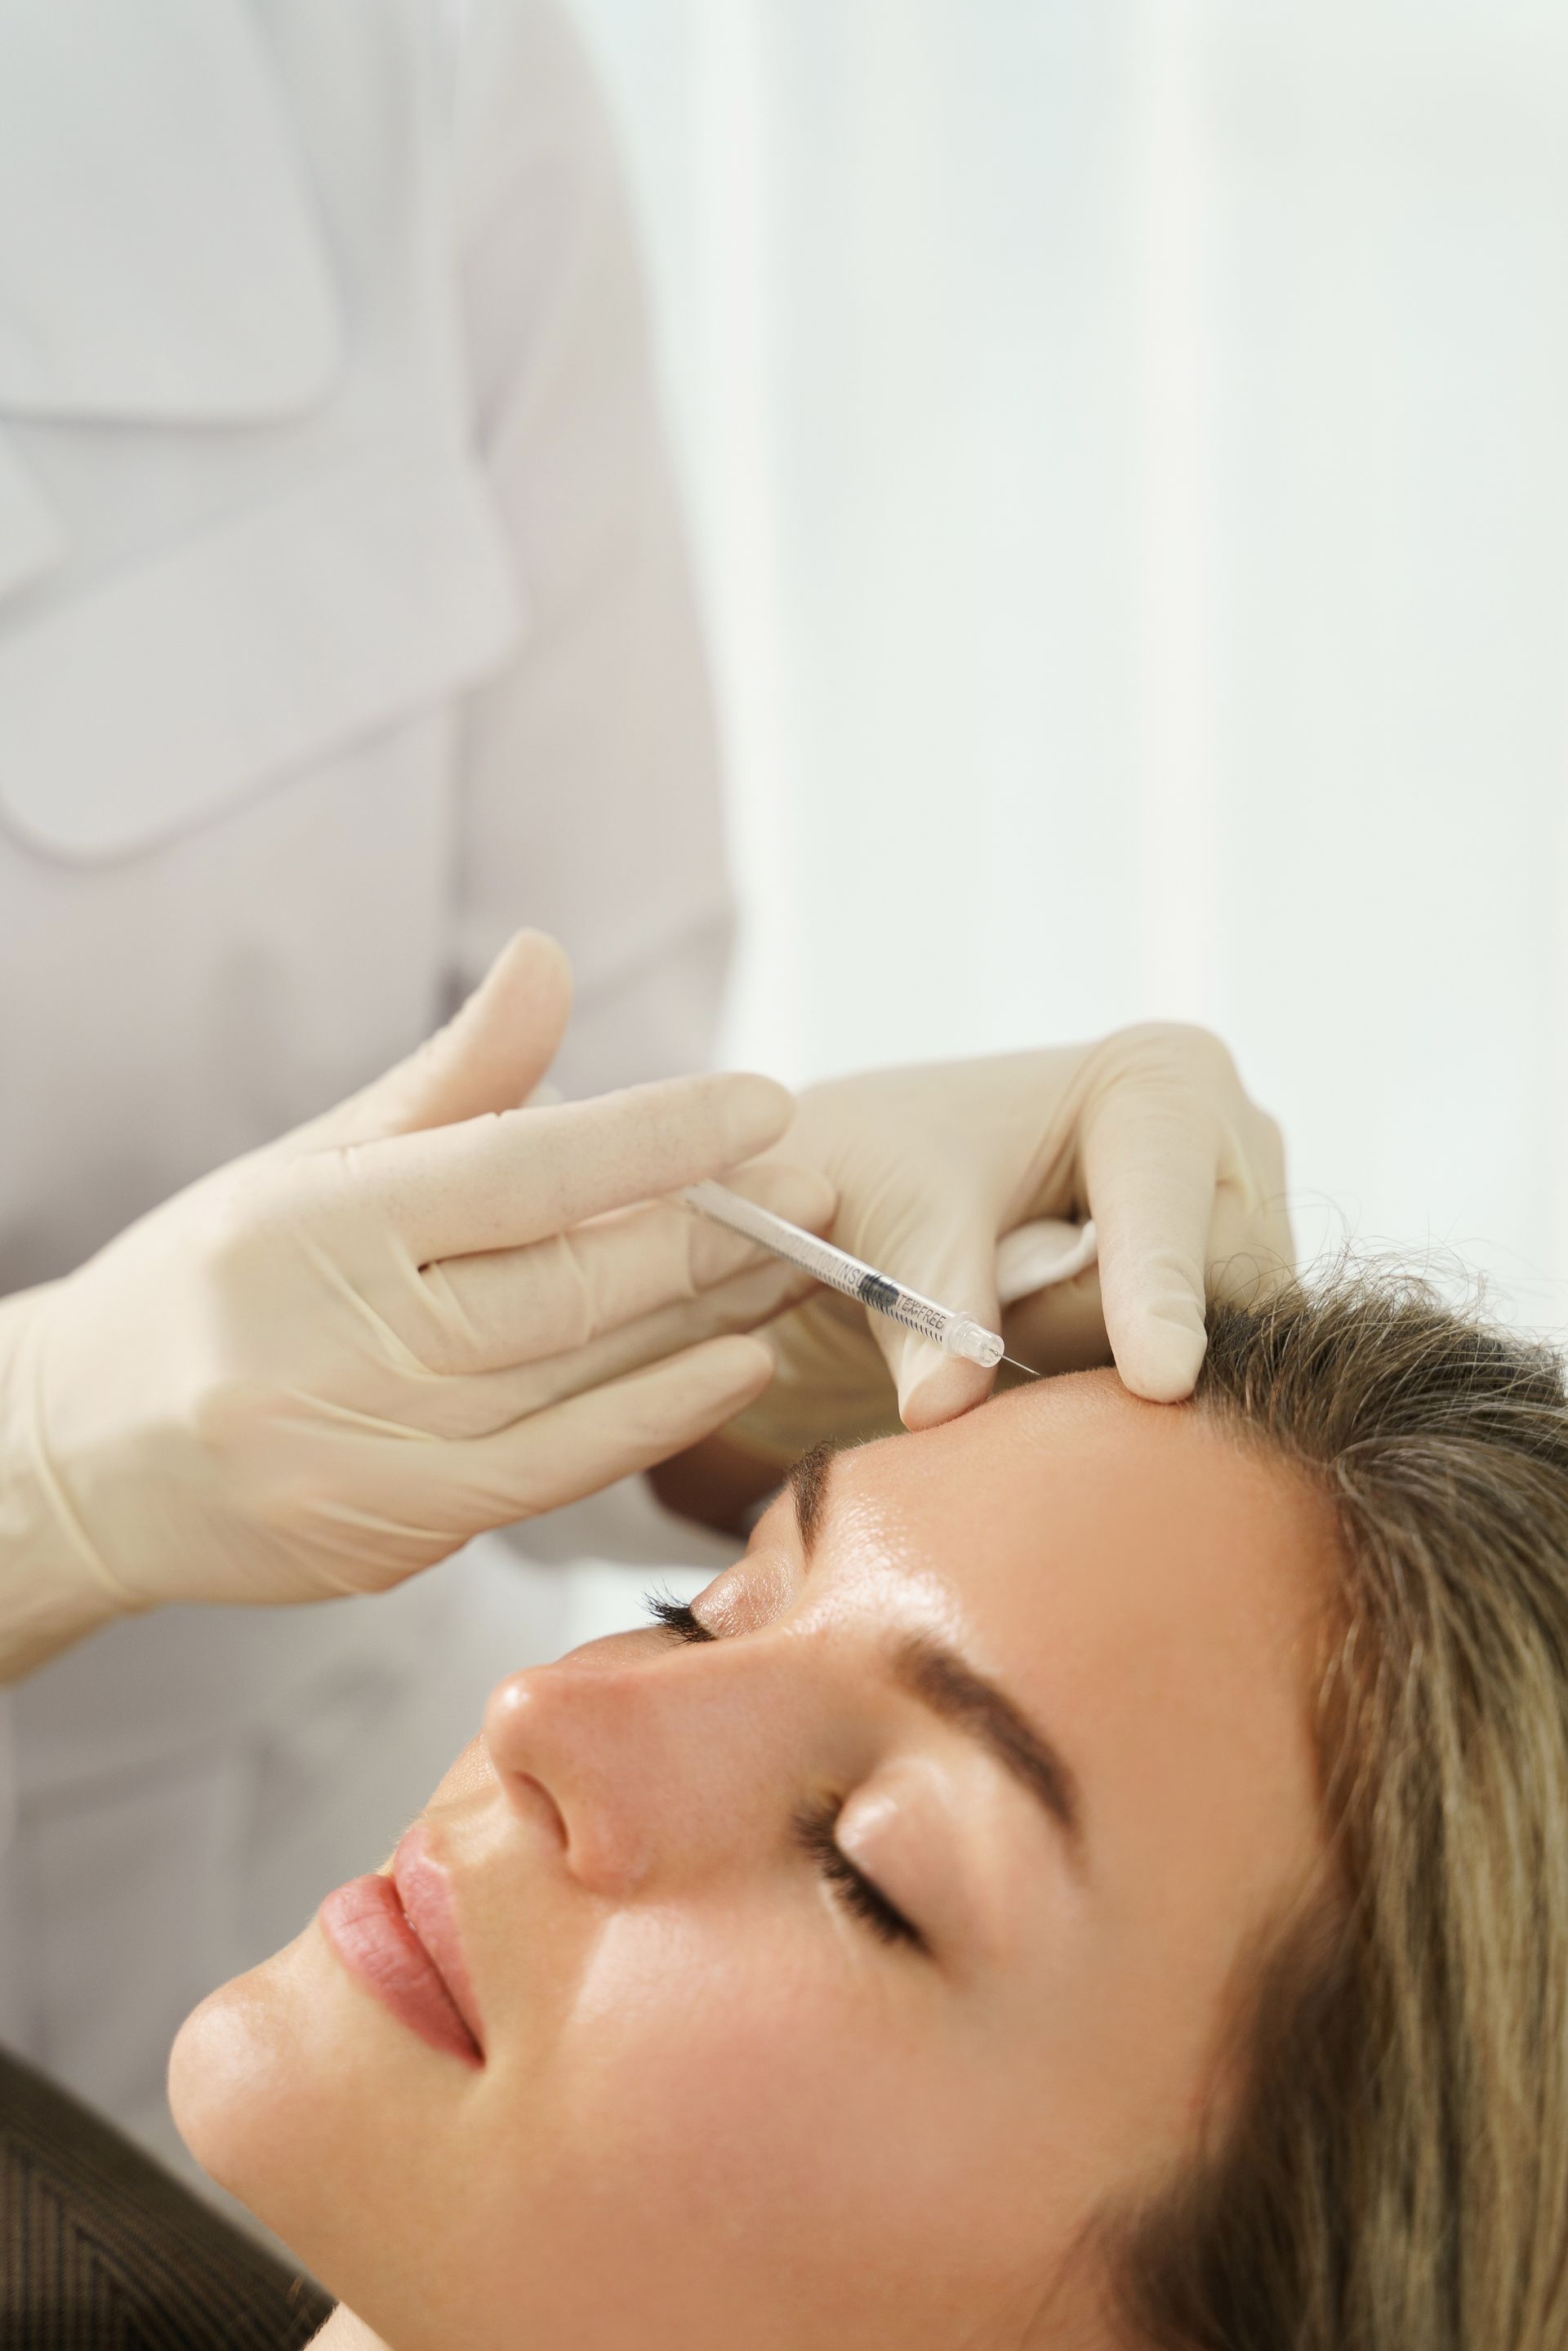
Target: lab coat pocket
{"x":152,"y":700}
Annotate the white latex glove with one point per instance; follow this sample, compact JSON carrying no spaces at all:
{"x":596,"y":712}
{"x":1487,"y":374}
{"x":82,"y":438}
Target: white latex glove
{"x":1149,"y":1131}
{"x":331,"y":1364}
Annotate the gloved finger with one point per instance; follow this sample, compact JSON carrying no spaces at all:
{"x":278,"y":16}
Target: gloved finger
{"x":500,"y":1183}
{"x":504,"y":1307}
{"x":943,"y":1245}
{"x":933,"y":1387}
{"x":558,"y":1456}
{"x":1150,"y":1163}
{"x":824,"y":1388}
{"x":490,"y":1056}
{"x":1248,"y":1254}
{"x":495,"y":1399}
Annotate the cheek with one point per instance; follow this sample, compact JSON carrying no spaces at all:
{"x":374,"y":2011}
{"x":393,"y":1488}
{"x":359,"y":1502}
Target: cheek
{"x":680,"y":2052}
{"x":738,"y":2130}
{"x":822,"y":2130}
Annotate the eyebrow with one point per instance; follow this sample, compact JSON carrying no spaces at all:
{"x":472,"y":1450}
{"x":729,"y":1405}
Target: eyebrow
{"x":808,"y":1485}
{"x":950,"y":1688}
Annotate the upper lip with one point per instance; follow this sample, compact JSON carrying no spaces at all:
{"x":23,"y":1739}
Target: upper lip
{"x":425,"y":1889}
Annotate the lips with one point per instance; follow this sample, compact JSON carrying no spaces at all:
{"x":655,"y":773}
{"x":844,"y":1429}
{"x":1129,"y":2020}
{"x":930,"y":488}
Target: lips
{"x":397,"y":1932}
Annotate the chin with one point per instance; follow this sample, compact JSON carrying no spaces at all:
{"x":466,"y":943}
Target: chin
{"x":294,"y":2092}
{"x":247,"y":2089}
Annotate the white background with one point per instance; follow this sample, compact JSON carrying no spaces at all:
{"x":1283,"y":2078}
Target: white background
{"x":1127,"y":449}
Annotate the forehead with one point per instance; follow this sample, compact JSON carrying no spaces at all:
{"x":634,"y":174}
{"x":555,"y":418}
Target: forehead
{"x":1152,"y":1590}
{"x":1074,"y":1495}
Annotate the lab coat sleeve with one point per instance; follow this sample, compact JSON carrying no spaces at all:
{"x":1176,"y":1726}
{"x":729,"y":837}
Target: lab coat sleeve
{"x":590,"y":795}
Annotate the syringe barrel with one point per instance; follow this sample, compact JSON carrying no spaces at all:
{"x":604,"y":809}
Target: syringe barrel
{"x":919,"y":1315}
{"x":954,"y":1334}
{"x":813,"y":1255}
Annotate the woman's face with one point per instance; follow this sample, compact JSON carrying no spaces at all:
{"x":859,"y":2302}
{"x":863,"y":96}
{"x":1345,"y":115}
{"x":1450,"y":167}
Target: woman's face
{"x":832,"y":1973}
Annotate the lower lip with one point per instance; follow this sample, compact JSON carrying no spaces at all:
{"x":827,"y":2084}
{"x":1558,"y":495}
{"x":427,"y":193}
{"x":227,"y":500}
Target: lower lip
{"x":365,"y":1924}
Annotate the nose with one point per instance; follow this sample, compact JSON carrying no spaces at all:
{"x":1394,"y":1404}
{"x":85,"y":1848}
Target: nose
{"x":651,"y":1770}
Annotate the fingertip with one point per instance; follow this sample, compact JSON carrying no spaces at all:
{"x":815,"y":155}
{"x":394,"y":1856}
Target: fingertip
{"x":1162,"y":1360}
{"x":536,"y":953}
{"x":516,"y":1016}
{"x":802,"y":1195}
{"x":531,"y":973}
{"x":756,"y":1110}
{"x":933,"y":1387}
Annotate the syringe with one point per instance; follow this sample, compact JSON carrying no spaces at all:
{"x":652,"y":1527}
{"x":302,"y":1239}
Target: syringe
{"x":954,"y":1334}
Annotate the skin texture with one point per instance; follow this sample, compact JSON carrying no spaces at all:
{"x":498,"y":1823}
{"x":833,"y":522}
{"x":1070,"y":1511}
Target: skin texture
{"x":716,"y":2106}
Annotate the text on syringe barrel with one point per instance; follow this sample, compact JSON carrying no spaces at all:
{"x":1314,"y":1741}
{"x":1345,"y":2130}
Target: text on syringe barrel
{"x":900,"y":1306}
{"x":849,"y":1275}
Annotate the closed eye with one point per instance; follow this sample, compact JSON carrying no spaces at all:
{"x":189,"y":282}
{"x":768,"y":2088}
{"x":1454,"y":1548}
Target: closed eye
{"x":814,"y":1827}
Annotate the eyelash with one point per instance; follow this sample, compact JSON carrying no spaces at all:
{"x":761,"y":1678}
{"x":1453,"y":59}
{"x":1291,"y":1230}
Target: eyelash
{"x":814,"y":1823}
{"x":673,"y":1615}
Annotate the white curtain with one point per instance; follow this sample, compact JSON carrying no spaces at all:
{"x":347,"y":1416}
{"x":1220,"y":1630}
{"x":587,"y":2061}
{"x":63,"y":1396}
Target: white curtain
{"x":1127,"y":448}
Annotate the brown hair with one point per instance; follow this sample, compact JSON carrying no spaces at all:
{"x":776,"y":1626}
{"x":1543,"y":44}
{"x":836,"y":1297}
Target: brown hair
{"x":1396,"y":2177}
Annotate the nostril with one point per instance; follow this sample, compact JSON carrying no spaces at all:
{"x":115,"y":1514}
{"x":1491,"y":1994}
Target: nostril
{"x":599,"y":1848}
{"x":511,"y":1738}
{"x":533,"y":1794}
{"x":550,"y":1744}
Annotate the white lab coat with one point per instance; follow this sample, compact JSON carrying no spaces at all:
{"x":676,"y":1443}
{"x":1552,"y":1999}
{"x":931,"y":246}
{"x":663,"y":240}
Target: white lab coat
{"x":344,"y":624}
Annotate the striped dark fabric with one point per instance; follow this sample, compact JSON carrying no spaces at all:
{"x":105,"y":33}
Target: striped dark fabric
{"x":102,"y":2250}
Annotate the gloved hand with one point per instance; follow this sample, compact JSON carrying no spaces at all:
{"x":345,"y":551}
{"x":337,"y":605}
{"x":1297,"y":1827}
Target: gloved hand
{"x":328,"y":1364}
{"x":1149,"y":1131}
